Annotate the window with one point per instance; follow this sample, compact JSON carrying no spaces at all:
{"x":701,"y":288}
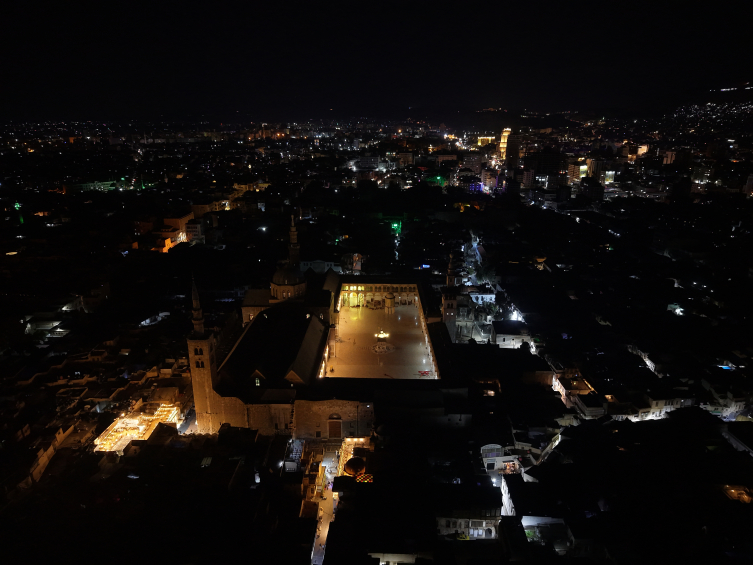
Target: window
{"x":257,"y":381}
{"x":276,"y":426}
{"x":491,"y":451}
{"x":318,"y":434}
{"x":250,"y":317}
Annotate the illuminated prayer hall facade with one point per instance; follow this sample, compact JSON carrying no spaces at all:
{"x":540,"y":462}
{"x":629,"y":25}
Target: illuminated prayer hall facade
{"x":291,"y":366}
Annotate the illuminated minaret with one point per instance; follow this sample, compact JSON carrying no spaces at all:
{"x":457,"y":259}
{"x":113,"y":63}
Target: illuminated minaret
{"x":198,"y":316}
{"x":202,"y":360}
{"x":294,"y":250}
{"x":503,"y":143}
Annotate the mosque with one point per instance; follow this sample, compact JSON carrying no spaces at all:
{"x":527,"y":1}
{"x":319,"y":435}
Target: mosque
{"x":305,"y":344}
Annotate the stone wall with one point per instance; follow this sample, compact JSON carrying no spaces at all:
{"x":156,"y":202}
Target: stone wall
{"x":213,"y":410}
{"x":313,"y":416}
{"x":269,"y":419}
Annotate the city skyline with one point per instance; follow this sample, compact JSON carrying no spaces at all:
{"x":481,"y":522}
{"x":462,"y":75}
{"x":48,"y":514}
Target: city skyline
{"x":376,"y":284}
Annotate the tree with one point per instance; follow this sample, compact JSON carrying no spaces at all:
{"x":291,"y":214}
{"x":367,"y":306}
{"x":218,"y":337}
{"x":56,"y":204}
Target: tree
{"x":486,"y":272}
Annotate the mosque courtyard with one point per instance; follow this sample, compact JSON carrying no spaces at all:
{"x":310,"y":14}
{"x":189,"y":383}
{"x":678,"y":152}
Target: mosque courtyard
{"x":403,"y":353}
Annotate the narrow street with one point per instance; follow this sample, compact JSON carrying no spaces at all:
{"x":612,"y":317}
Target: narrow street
{"x":326,"y":509}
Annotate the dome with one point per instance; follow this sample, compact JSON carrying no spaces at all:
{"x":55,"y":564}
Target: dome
{"x":287,"y":275}
{"x":354,"y":466}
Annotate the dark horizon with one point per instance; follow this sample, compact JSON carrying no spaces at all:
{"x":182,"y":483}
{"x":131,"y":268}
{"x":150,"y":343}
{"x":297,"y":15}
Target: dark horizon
{"x":135,"y":60}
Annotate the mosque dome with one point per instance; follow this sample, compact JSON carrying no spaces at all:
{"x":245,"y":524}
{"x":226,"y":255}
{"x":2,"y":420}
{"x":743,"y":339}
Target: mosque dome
{"x":287,"y":275}
{"x":354,"y":466}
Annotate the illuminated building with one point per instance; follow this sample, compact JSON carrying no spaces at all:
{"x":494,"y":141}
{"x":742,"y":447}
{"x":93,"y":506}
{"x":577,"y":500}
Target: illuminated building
{"x":134,"y":427}
{"x":489,"y":179}
{"x":503,"y":143}
{"x":273,"y":372}
{"x":576,"y":171}
{"x":346,"y":455}
{"x":281,"y":375}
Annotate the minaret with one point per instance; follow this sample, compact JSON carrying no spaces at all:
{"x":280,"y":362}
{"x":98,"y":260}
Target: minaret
{"x":198,"y":316}
{"x":450,"y":273}
{"x":294,"y":250}
{"x":450,"y":302}
{"x":202,"y":360}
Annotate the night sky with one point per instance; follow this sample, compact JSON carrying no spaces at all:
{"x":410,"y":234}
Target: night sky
{"x":281,"y":60}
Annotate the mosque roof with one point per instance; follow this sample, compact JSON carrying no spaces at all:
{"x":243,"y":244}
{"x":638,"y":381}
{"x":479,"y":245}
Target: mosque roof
{"x":282,"y":346}
{"x":287,"y":275}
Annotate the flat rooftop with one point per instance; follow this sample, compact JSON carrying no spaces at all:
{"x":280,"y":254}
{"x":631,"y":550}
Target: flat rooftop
{"x":358,"y":355}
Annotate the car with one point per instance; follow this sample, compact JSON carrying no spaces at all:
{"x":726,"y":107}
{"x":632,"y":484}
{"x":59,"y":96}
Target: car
{"x":462,"y":537}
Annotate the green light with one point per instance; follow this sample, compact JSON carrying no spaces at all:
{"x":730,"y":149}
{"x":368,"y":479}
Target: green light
{"x":17,"y":206}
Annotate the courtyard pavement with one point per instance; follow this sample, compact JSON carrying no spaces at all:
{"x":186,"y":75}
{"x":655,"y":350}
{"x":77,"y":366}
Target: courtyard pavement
{"x":354,"y":357}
